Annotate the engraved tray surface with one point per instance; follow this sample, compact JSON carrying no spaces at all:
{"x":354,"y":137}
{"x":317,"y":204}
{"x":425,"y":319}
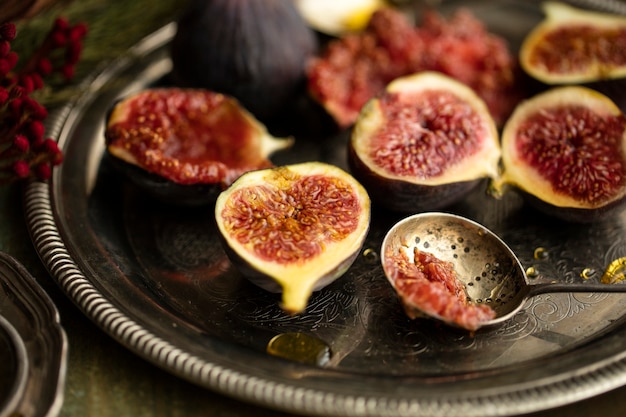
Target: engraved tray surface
{"x":155,"y":277}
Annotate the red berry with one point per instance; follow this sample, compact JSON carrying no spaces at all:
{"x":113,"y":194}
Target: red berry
{"x":26,"y":81}
{"x":21,"y":169}
{"x":4,"y":96}
{"x":68,"y":71}
{"x":17,"y":91}
{"x":36,"y":144}
{"x":44,"y":66}
{"x":78,"y":32}
{"x":8,"y":31}
{"x":35,"y":109}
{"x":72,"y":53}
{"x":43,"y":171}
{"x":59,"y":39}
{"x":36,"y":129}
{"x":12,"y":58}
{"x":61,"y":24}
{"x":37,"y":81}
{"x":16,"y":106}
{"x":4,"y":67}
{"x":5,"y":47}
{"x":21,"y":143}
{"x":58,"y":158}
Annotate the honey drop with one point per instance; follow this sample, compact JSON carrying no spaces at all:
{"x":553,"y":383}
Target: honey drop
{"x":615,"y":272}
{"x":587,"y":273}
{"x":540,"y":253}
{"x":299,"y":347}
{"x":370,"y":255}
{"x":531,"y":272}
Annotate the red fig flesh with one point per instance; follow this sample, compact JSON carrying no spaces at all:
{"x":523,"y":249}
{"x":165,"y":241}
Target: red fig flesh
{"x":572,"y":45}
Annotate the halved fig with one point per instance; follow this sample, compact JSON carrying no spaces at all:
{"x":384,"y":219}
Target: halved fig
{"x":423,"y":144}
{"x":572,"y":45}
{"x":566,"y":150}
{"x":186,"y":145}
{"x":294,"y":229}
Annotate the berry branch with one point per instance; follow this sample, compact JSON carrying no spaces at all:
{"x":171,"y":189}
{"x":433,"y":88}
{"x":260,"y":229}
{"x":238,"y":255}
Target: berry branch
{"x":25,"y":152}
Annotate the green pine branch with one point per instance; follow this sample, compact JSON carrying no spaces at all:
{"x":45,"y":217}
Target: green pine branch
{"x":113,"y":27}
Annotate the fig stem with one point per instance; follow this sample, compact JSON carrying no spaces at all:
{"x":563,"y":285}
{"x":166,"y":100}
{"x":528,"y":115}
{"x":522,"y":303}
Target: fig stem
{"x":497,"y":188}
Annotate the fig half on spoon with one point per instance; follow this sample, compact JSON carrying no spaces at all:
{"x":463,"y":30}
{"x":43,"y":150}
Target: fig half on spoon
{"x":455,"y":270}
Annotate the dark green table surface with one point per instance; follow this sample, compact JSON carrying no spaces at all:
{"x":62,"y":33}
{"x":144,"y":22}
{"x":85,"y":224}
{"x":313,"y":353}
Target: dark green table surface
{"x":105,"y":379}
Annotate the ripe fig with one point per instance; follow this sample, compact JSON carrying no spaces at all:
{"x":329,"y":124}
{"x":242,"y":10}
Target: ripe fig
{"x":572,"y":45}
{"x":252,"y":50}
{"x":184,"y":145}
{"x":294,"y":229}
{"x":423,"y":144}
{"x":566,"y":150}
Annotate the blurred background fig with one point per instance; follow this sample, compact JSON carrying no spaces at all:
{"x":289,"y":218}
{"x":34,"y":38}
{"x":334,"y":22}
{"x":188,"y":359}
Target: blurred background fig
{"x":294,"y":229}
{"x":255,"y":51}
{"x":573,"y":45}
{"x":423,"y":144}
{"x":184,"y":146}
{"x":565,"y":149}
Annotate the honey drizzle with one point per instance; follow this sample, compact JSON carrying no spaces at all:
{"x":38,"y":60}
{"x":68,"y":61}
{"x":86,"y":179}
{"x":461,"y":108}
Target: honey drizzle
{"x":615,"y":272}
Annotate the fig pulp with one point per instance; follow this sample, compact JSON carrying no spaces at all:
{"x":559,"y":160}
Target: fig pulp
{"x":294,"y":229}
{"x":566,"y":150}
{"x":186,"y":139}
{"x":575,"y":46}
{"x":423,"y":144}
{"x":358,"y":66}
{"x":428,"y":285}
{"x":252,"y":50}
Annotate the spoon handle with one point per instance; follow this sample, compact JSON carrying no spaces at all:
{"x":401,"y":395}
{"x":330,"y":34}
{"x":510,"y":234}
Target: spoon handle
{"x":555,"y":287}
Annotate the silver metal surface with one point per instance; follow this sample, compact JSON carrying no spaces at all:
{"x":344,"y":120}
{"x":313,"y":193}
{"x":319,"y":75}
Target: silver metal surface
{"x":489,"y":270}
{"x":39,"y":344}
{"x":156,"y":279}
{"x":13,"y":368}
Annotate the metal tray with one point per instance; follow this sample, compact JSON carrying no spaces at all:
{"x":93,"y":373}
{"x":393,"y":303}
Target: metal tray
{"x":33,"y":346}
{"x":155,"y":277}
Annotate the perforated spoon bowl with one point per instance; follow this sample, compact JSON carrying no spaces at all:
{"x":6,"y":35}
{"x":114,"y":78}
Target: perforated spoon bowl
{"x":490,"y":271}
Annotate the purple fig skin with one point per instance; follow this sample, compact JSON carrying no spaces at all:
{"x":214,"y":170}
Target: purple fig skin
{"x":575,"y":215}
{"x":267,"y":283}
{"x":164,"y":190}
{"x":255,"y":51}
{"x":406,"y":197}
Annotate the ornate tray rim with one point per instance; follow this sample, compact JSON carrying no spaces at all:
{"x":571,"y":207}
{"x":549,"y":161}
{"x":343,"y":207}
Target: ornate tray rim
{"x":44,"y":343}
{"x":16,"y":390}
{"x":602,"y":375}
